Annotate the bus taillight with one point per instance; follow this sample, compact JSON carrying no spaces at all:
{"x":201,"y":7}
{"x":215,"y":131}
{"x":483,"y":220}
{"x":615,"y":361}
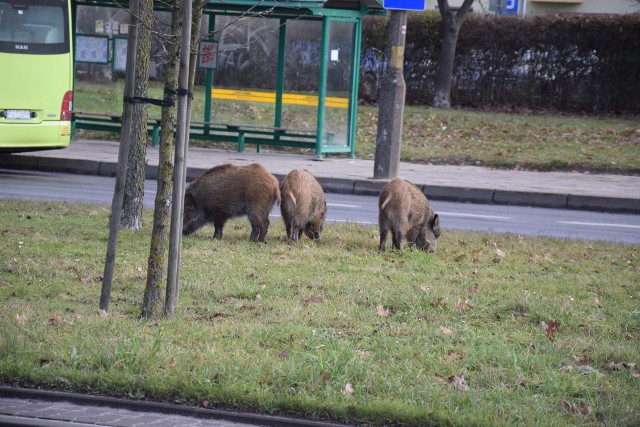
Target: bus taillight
{"x":67,"y":104}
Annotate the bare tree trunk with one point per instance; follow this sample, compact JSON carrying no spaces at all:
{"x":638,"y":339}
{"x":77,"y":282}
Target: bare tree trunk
{"x":155,"y":272}
{"x":123,"y":154}
{"x":134,"y":185}
{"x":451,"y":24}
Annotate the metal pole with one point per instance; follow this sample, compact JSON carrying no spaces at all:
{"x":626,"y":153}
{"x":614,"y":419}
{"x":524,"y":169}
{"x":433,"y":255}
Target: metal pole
{"x":209,"y":80}
{"x":123,"y":155}
{"x":353,"y":94}
{"x":282,"y":38}
{"x":175,"y":233}
{"x":322,"y":89}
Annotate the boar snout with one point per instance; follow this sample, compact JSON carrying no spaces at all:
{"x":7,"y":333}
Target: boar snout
{"x":313,"y":232}
{"x":426,"y":240}
{"x":192,"y":220}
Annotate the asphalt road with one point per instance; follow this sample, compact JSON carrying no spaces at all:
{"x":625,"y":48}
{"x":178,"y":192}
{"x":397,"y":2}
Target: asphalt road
{"x":361,"y":209}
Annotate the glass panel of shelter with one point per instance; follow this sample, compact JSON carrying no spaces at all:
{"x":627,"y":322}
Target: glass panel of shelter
{"x":245,"y":81}
{"x":339,"y":83}
{"x":301,"y":74}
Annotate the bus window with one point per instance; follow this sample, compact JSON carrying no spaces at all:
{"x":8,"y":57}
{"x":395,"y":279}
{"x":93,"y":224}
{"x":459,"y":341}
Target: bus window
{"x":36,"y":88}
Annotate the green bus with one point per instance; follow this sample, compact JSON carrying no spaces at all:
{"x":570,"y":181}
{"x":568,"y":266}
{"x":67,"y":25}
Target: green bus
{"x":36,"y":74}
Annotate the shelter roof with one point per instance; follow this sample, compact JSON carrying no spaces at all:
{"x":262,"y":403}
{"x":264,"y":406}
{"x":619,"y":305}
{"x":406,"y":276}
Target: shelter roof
{"x":286,"y":7}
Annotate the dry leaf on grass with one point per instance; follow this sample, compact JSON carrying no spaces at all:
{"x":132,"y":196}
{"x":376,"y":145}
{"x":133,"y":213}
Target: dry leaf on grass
{"x":324,"y":377}
{"x":55,"y":320}
{"x":363,"y":353}
{"x":586,"y":369}
{"x":473,"y":289}
{"x":462,"y":305}
{"x":382,"y":312}
{"x":581,"y":409}
{"x":454,"y":355}
{"x":550,"y":328}
{"x":581,"y":360}
{"x":446,"y":330}
{"x":439,"y":302}
{"x":612,"y":366}
{"x":458,"y":382}
{"x":21,"y":319}
{"x":348,"y":389}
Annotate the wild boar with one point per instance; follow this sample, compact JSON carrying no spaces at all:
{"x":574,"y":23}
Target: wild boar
{"x":405,"y":210}
{"x":229,"y":191}
{"x":303,"y":206}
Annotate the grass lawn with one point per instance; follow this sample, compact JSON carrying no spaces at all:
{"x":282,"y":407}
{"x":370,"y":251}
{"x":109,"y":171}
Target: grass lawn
{"x":525,"y":141}
{"x":489,"y":330}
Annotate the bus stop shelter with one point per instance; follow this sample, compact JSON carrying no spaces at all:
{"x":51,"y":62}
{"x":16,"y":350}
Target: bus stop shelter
{"x":277,"y":73}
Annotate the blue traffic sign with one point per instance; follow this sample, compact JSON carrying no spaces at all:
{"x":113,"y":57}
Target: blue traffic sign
{"x":405,"y":4}
{"x":512,"y":7}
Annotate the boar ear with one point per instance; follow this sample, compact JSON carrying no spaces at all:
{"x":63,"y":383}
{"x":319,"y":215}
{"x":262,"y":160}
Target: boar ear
{"x":435,"y":225}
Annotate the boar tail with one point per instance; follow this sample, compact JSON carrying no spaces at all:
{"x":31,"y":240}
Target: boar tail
{"x":387,"y":200}
{"x":293,"y":198}
{"x":278,"y":198}
{"x":289,"y":202}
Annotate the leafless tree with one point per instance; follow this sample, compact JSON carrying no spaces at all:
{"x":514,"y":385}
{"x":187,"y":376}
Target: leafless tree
{"x":451,"y":23}
{"x":134,"y":185}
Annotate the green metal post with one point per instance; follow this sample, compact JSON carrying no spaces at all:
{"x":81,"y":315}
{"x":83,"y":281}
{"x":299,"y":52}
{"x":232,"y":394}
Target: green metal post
{"x":282,"y":36}
{"x":240,"y":142}
{"x":208,"y":82}
{"x":322,"y":87}
{"x":353,"y":96}
{"x":74,"y":14}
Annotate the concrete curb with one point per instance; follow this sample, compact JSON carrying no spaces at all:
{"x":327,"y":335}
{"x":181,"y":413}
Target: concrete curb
{"x":358,"y":186}
{"x":161,"y":408}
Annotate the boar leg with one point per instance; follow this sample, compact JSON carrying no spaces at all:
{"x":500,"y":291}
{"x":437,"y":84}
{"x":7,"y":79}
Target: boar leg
{"x":296,"y":231}
{"x":413,"y":236}
{"x":264,"y":227}
{"x":217,"y":232}
{"x":383,"y":239}
{"x":259,"y":227}
{"x":397,"y":239}
{"x":255,"y":232}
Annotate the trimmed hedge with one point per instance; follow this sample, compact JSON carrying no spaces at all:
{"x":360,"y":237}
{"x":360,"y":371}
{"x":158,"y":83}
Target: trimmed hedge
{"x":581,"y":63}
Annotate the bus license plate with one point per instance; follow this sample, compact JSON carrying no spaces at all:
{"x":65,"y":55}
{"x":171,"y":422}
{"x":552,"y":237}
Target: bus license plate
{"x":17,"y":114}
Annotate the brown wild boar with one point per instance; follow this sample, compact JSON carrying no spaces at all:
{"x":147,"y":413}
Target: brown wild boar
{"x":229,"y":191}
{"x":303,"y":205}
{"x":405,"y":210}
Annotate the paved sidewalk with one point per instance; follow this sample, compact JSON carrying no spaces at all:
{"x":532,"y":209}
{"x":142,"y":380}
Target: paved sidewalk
{"x":565,"y":190}
{"x":27,"y":407}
